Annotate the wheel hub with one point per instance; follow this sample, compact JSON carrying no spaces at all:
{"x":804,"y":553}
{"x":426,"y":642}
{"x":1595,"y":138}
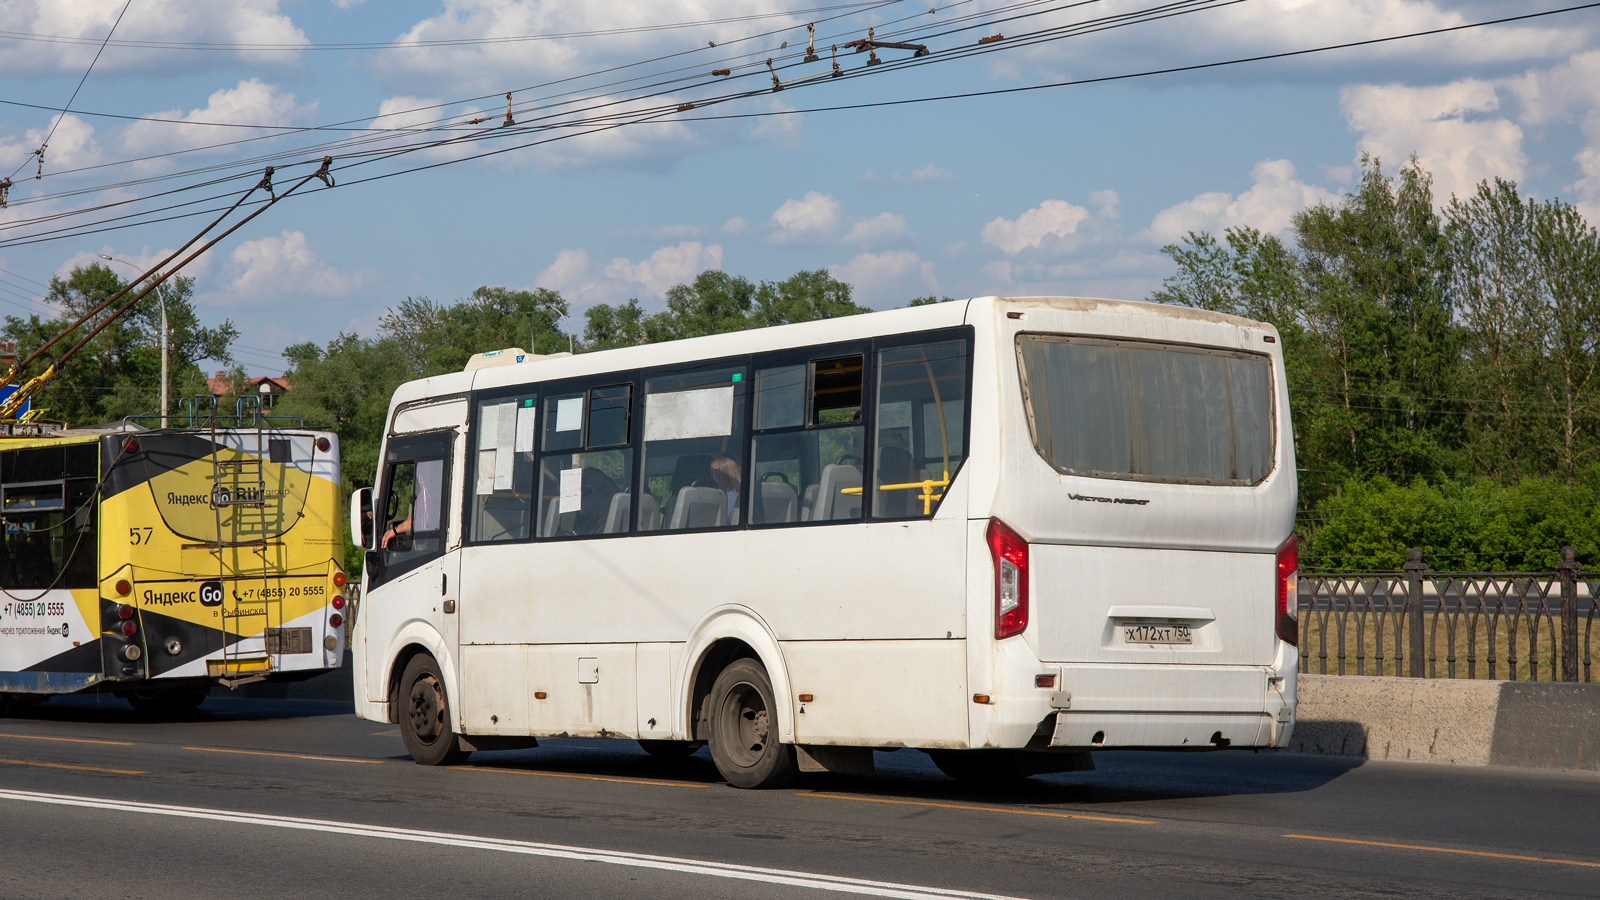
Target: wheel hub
{"x":426,"y":709}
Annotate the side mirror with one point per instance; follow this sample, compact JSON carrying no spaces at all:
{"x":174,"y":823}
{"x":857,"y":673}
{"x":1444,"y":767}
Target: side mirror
{"x":362,"y":530}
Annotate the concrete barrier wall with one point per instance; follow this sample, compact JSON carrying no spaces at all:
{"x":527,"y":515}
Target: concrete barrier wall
{"x":1475,"y":723}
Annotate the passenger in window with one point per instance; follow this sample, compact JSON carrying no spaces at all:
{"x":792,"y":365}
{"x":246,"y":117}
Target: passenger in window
{"x":725,"y":472}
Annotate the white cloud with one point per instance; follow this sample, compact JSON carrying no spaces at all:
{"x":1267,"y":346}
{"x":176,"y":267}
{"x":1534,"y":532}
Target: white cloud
{"x":667,"y":266}
{"x":254,"y":22}
{"x":1446,"y":126}
{"x":880,"y":230}
{"x":1566,"y":94}
{"x":1274,"y":196}
{"x":71,"y":146}
{"x":928,"y":174}
{"x":1056,"y":218}
{"x":811,"y":219}
{"x":779,"y":130}
{"x":735,"y":225}
{"x":250,"y":102}
{"x":569,"y":273}
{"x":889,"y":278}
{"x":283,"y":267}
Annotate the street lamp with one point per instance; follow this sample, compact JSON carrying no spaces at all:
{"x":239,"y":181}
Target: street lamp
{"x":161,"y":295}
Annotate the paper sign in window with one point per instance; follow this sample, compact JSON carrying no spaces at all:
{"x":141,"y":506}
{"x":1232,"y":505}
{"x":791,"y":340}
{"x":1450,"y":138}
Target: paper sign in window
{"x":504,"y":459}
{"x":488,"y":426}
{"x":679,"y":415}
{"x":569,"y":414}
{"x":485,"y":483}
{"x":571,"y":491}
{"x":524,"y":429}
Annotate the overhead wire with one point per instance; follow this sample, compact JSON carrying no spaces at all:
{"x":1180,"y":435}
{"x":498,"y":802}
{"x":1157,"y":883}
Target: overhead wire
{"x":634,"y":117}
{"x":64,"y":110}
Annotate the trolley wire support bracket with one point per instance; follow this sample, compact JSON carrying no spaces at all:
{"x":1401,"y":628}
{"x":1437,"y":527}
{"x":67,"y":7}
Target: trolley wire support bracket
{"x":811,"y":43}
{"x":509,"y":121}
{"x":870,"y":44}
{"x":266,"y":183}
{"x":5,"y":192}
{"x":837,"y":72}
{"x":776,"y":84}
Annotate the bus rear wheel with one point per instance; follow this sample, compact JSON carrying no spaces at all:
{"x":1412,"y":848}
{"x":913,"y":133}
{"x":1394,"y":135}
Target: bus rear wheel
{"x":743,"y":722}
{"x":425,"y":715}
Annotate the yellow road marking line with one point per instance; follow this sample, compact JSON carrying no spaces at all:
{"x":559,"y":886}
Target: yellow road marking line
{"x":1543,"y":859}
{"x":998,"y":809}
{"x":348,"y":759}
{"x":690,"y":784}
{"x":40,"y":737}
{"x":25,"y":762}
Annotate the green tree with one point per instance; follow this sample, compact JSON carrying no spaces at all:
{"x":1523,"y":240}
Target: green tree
{"x":803,"y":297}
{"x":118,"y":373}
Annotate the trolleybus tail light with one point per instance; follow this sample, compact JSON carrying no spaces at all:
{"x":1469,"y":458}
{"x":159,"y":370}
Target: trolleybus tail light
{"x":1009,"y":553}
{"x":124,"y":611}
{"x":335,"y":620}
{"x":131,"y":445}
{"x":323,"y":445}
{"x":129,"y":628}
{"x":123,"y":587}
{"x":339,"y":579}
{"x":338,"y":602}
{"x":1288,"y":590}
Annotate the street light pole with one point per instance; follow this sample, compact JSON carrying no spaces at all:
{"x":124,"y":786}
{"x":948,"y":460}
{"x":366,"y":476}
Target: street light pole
{"x":161,"y":297}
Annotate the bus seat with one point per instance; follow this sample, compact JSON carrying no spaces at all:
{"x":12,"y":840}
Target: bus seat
{"x":808,"y":501}
{"x":503,"y":517}
{"x":779,"y":502}
{"x":552,"y":517}
{"x":617,"y":515}
{"x":649,"y":513}
{"x":699,"y":507}
{"x":830,"y":502}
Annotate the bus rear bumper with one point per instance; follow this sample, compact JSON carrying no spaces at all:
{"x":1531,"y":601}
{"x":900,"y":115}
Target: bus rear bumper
{"x":1203,"y":707}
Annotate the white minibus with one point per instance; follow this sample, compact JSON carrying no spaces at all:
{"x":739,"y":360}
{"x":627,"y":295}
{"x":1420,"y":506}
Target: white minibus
{"x":1004,"y":531}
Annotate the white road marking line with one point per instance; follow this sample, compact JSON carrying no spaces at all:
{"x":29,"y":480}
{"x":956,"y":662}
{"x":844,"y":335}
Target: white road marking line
{"x":786,"y":877}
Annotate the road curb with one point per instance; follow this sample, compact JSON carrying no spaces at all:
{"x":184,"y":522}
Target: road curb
{"x":1452,"y":721}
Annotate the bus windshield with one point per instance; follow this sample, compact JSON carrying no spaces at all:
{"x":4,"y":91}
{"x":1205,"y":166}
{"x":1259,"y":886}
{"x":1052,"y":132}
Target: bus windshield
{"x":1148,"y":412}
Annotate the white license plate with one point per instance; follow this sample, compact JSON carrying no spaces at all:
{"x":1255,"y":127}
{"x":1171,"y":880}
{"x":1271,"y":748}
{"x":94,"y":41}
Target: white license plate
{"x":1156,"y":634}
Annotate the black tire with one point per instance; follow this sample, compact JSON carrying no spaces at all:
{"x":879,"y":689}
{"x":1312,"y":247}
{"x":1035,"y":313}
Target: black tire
{"x":670,"y":749}
{"x":979,"y":767}
{"x":742,"y":720}
{"x":425,"y":715}
{"x":166,"y":704}
{"x":5,"y":705}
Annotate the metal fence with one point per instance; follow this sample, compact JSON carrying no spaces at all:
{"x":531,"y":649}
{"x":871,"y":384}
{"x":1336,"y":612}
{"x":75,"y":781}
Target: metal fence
{"x":1515,"y":626}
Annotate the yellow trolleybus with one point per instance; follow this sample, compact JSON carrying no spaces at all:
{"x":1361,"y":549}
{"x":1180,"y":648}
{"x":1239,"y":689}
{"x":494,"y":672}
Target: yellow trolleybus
{"x":154,"y":564}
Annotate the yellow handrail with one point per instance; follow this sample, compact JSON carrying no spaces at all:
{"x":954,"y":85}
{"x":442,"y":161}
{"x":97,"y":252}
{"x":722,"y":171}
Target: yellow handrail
{"x":927,"y":496}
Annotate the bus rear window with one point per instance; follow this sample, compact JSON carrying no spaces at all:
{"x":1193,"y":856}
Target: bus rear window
{"x":1146,"y":412}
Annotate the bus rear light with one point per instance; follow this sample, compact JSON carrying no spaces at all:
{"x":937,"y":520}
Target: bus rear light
{"x":129,"y":628}
{"x":124,"y":611}
{"x":1288,"y":600}
{"x":1009,"y":553}
{"x":132,"y":652}
{"x":339,"y":579}
{"x":323,"y":445}
{"x":335,"y":620}
{"x":131,"y":445}
{"x":338,"y":603}
{"x":123,"y":588}
{"x":1044,"y":681}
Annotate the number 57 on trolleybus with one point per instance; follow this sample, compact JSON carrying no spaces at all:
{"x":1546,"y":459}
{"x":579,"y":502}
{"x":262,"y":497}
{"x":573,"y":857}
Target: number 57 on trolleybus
{"x":1007,"y":532}
{"x":156,"y":564}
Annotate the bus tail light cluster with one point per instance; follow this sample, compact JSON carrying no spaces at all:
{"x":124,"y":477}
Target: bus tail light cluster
{"x":1009,"y":553}
{"x":335,"y":620}
{"x":1288,"y":591}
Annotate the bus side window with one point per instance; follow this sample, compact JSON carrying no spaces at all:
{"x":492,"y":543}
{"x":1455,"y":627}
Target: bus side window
{"x":502,"y":493}
{"x":921,"y":418}
{"x":806,"y":456}
{"x":586,"y":470}
{"x":693,"y":449}
{"x":49,"y":523}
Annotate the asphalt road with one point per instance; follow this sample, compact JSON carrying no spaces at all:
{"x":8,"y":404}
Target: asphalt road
{"x":280,"y":799}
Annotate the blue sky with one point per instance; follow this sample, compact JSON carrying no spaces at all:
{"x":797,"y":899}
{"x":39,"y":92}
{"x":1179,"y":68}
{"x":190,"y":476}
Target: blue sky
{"x":1064,"y":191}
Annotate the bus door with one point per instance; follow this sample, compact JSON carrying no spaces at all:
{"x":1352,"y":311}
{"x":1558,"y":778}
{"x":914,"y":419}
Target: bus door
{"x":419,"y":578}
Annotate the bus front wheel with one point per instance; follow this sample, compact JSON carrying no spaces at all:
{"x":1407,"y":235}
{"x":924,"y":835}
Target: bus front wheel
{"x":743,"y":721}
{"x":425,"y":715}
